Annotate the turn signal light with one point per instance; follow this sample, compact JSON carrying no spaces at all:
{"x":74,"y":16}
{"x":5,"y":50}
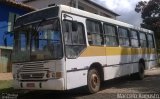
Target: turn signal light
{"x":55,"y":75}
{"x":58,"y":75}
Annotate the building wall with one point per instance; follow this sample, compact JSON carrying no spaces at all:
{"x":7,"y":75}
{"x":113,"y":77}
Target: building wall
{"x":5,"y":60}
{"x":96,"y":10}
{"x":6,"y":22}
{"x":82,"y":4}
{"x":44,"y":3}
{"x":7,"y":18}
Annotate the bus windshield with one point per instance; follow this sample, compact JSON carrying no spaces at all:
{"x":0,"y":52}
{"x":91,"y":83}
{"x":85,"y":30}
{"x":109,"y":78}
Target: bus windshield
{"x":38,"y":41}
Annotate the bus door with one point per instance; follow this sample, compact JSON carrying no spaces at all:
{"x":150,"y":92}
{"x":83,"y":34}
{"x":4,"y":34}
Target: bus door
{"x":75,"y":43}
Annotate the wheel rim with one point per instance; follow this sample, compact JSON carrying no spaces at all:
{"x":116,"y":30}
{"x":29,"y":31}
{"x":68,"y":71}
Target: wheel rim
{"x":94,"y":81}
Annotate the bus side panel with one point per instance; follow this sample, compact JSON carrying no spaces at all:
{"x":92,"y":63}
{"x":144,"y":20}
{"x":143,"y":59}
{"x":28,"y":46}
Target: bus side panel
{"x":152,"y":58}
{"x":151,"y":63}
{"x":117,"y":67}
{"x":77,"y":70}
{"x":118,"y":62}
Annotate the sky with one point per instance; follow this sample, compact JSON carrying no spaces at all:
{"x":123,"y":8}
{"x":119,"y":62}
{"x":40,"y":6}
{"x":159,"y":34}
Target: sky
{"x":125,"y":8}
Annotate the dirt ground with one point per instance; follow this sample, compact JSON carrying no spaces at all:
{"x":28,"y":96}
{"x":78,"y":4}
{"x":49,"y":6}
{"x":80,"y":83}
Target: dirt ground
{"x":121,"y":88}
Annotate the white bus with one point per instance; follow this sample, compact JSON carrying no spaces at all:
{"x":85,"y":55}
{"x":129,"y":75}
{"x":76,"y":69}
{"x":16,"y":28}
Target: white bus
{"x":61,"y":48}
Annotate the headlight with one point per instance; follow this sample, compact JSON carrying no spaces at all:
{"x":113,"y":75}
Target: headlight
{"x":49,"y":74}
{"x":55,"y":75}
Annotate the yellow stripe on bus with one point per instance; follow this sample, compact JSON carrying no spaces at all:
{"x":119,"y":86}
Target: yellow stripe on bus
{"x":111,"y":51}
{"x":94,"y":51}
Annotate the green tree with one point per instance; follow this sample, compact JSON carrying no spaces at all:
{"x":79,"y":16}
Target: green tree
{"x":150,"y":13}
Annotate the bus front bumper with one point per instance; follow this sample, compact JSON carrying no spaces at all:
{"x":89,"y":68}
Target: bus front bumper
{"x":55,"y":84}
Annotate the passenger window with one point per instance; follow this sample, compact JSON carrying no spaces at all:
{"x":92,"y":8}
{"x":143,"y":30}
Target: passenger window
{"x":150,"y":41}
{"x":110,"y":35}
{"x":134,"y":38}
{"x":123,"y":37}
{"x":74,"y":40}
{"x":143,"y":39}
{"x":95,"y":34}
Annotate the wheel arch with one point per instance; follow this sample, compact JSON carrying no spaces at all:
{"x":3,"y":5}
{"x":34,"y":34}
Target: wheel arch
{"x":99,"y":68}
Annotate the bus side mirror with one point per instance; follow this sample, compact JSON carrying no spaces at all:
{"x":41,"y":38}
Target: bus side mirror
{"x":74,"y":26}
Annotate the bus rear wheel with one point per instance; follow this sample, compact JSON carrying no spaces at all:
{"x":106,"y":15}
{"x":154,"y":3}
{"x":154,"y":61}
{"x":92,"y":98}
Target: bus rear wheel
{"x":141,"y":71}
{"x":93,"y":81}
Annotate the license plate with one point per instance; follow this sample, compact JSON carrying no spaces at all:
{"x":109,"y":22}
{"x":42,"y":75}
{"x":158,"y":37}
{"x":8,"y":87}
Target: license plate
{"x":30,"y":85}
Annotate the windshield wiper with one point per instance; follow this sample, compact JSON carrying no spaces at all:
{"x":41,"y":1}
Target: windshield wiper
{"x":35,"y":33}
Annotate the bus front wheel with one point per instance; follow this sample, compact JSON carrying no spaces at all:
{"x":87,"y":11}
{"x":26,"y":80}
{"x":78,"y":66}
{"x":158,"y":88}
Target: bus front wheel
{"x":93,"y":81}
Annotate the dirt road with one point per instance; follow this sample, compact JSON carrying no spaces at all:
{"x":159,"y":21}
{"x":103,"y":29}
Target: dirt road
{"x":121,"y":88}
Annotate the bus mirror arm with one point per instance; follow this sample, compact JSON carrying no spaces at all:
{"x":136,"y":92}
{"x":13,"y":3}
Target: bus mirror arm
{"x":65,"y":16}
{"x":74,"y":22}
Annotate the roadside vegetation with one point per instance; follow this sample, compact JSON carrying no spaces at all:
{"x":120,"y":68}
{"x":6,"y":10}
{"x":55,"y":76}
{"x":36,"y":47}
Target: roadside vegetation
{"x":6,"y":86}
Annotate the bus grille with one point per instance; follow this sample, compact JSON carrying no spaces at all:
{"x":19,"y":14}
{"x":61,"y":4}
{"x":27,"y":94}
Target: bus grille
{"x":32,"y":71}
{"x":32,"y":76}
{"x":33,"y":67}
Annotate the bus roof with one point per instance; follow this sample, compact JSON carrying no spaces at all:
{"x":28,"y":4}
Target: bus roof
{"x":101,"y":18}
{"x":93,"y":16}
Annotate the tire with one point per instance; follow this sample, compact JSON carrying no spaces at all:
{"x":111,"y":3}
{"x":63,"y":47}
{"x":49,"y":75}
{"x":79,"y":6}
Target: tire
{"x":140,"y":74}
{"x":93,"y":81}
